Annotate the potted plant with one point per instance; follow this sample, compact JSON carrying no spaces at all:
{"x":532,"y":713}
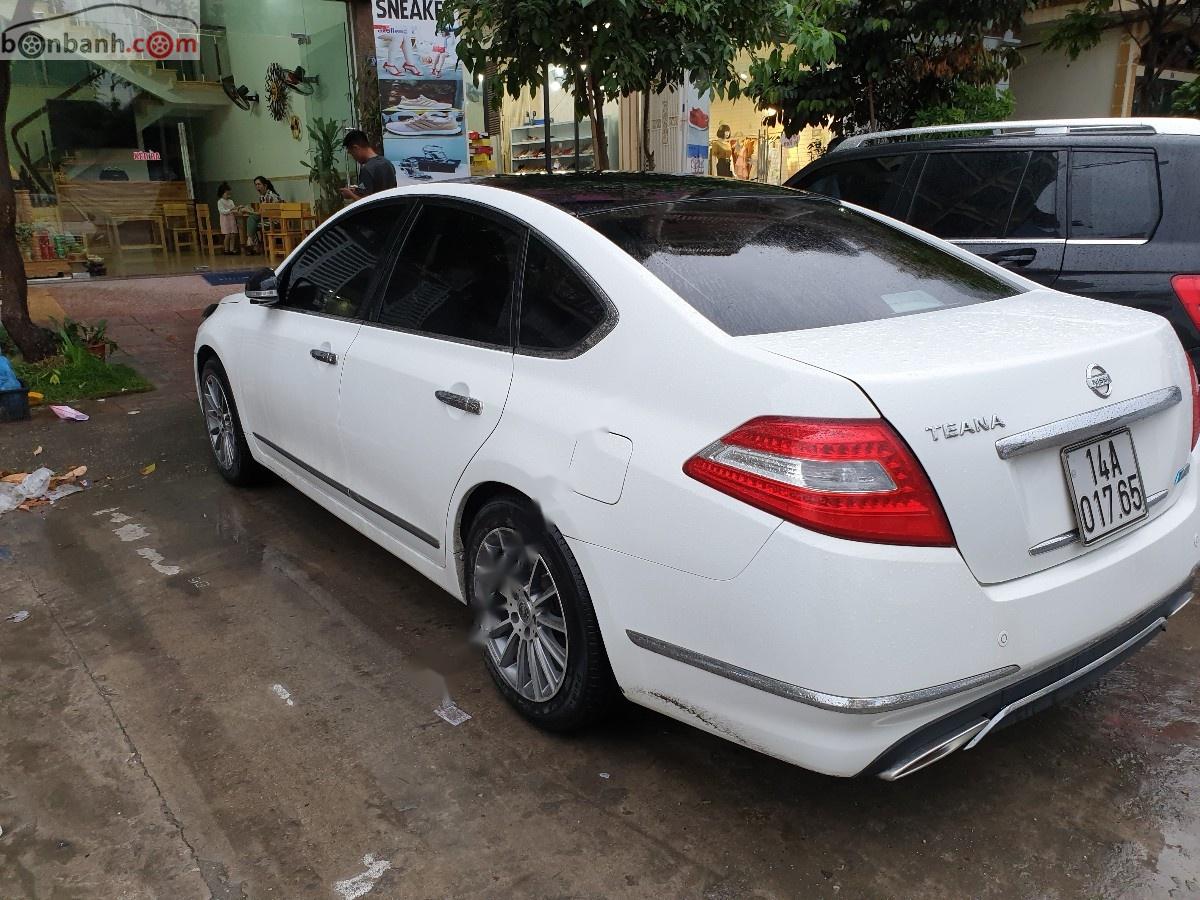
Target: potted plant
{"x":324,"y":151}
{"x":93,"y":339}
{"x":25,"y":240}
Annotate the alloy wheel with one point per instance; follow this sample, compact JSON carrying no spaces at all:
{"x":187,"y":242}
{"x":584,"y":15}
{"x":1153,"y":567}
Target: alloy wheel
{"x":521,"y":615}
{"x":219,"y":417}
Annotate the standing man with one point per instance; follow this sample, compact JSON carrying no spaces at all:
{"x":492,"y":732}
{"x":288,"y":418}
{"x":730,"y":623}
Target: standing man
{"x":375,"y":173}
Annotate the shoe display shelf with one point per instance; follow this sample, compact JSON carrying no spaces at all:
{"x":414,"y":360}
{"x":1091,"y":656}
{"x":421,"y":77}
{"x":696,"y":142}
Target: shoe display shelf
{"x":528,"y":147}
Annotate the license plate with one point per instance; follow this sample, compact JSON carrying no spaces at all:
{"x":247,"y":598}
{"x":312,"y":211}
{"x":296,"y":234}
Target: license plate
{"x":1105,"y":484}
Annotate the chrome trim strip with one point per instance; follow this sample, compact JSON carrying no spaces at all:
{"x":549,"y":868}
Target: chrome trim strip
{"x":1096,"y":421}
{"x":357,"y":498}
{"x":831,"y":702}
{"x":1067,"y":679}
{"x":1072,"y":536}
{"x":1107,"y":242}
{"x":930,"y":755}
{"x":1012,"y":241}
{"x":1185,"y":598}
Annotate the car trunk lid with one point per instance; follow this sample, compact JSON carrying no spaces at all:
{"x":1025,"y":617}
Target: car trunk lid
{"x":955,"y":382}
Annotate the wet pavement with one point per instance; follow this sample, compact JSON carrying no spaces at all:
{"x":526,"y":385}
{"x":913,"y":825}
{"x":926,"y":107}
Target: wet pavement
{"x":230,"y":694}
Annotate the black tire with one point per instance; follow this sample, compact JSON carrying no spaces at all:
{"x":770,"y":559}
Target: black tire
{"x":238,"y":466}
{"x":588,"y":689}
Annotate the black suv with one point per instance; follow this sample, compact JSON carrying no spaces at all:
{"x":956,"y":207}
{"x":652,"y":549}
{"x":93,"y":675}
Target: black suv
{"x":1108,"y":209}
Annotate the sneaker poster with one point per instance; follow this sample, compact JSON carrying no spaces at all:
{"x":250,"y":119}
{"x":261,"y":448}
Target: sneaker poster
{"x":421,"y":93}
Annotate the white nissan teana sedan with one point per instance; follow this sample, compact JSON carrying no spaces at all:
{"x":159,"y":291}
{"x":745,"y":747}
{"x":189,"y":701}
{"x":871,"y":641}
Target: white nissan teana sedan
{"x":775,"y":466}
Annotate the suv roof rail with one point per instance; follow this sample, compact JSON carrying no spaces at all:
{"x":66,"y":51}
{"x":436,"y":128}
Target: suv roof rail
{"x":1160,"y":125}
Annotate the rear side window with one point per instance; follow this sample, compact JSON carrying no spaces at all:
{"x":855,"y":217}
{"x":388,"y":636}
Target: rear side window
{"x":877,"y":183}
{"x":968,"y":195}
{"x":759,"y":266}
{"x":558,"y":308}
{"x":1114,"y":195}
{"x":455,"y":277}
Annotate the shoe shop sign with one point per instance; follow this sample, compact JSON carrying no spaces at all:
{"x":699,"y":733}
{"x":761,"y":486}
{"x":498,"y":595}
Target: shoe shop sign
{"x":153,"y":30}
{"x":421,"y":92}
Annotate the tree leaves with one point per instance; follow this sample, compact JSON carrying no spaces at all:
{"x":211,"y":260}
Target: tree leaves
{"x":894,"y":58}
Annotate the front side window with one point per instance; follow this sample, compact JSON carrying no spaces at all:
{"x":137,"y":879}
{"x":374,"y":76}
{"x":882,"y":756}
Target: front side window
{"x":333,"y":273}
{"x":455,"y":277}
{"x":558,"y":308}
{"x":1114,"y":195}
{"x":876,"y":183}
{"x":968,"y":194}
{"x":760,"y":266}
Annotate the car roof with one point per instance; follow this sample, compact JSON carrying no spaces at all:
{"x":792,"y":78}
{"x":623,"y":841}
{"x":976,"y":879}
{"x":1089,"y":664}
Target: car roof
{"x":590,"y":193}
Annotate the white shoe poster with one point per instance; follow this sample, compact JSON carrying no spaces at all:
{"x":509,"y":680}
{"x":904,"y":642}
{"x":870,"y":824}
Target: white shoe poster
{"x":421,"y":93}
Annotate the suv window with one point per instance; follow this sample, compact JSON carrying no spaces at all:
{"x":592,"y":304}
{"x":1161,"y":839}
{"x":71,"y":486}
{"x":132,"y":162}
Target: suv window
{"x":1114,"y":194}
{"x":1035,"y":209}
{"x":558,"y":308}
{"x":333,"y":273}
{"x":968,"y":194}
{"x":454,"y":277}
{"x":759,"y":266}
{"x":876,"y":183}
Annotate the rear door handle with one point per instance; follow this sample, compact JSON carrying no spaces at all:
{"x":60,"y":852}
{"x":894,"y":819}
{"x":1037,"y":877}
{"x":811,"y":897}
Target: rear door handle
{"x":458,"y":401}
{"x":1022,"y":257}
{"x":324,"y":356}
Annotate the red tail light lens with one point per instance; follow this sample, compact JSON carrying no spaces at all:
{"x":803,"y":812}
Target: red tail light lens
{"x":1195,"y":402}
{"x":1187,"y":289}
{"x":850,"y":478}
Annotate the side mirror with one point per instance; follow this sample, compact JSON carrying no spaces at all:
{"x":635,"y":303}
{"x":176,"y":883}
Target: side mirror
{"x":262,"y":288}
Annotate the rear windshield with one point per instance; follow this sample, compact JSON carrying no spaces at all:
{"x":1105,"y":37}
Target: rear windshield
{"x":764,"y":265}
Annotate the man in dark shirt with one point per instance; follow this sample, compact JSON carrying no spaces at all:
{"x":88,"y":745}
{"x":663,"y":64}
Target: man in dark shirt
{"x":375,"y":173}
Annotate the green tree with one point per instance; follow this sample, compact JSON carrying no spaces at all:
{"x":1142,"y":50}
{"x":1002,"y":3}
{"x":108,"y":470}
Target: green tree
{"x":34,"y":343}
{"x":969,"y":103}
{"x":1160,"y":28}
{"x":1186,"y":99}
{"x":897,"y":57}
{"x":612,"y":48}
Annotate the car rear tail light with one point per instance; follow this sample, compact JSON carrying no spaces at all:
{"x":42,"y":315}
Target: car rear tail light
{"x":1195,"y":402}
{"x":1187,"y":289}
{"x":850,"y":478}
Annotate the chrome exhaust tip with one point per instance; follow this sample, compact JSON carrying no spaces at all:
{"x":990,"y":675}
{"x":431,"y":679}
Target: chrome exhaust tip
{"x":930,"y":755}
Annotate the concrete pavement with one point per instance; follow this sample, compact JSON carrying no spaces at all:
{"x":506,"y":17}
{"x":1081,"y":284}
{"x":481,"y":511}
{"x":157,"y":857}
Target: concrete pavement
{"x":230,"y":694}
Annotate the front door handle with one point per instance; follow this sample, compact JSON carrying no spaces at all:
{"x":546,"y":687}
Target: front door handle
{"x":1018,"y":258}
{"x":324,"y":356}
{"x":458,"y":401}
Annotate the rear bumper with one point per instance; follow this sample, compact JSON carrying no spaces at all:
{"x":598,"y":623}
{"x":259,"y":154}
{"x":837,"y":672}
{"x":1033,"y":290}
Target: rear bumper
{"x":840,"y":656}
{"x":966,"y":727}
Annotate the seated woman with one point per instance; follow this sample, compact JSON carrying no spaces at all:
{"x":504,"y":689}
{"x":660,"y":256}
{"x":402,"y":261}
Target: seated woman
{"x":266,"y":194}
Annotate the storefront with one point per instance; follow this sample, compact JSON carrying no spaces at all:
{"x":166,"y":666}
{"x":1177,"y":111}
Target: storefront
{"x":119,"y":160}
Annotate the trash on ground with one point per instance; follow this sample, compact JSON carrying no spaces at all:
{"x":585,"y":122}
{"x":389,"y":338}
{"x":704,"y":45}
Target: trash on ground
{"x":449,"y":712}
{"x":283,"y":694}
{"x":605,"y":775}
{"x":36,"y":398}
{"x":362,"y":884}
{"x":18,"y":617}
{"x":26,"y":491}
{"x":8,"y":378}
{"x":37,"y":452}
{"x":150,"y":469}
{"x":5,"y":554}
{"x":67,"y":414}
